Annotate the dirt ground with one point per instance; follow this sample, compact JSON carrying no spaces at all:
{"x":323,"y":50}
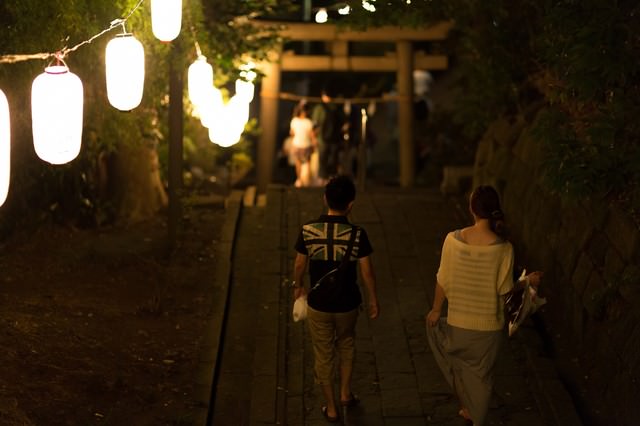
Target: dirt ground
{"x":103,"y":326}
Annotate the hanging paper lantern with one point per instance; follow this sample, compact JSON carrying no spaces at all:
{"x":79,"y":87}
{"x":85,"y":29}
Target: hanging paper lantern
{"x":125,"y":72}
{"x":166,"y":19}
{"x":239,"y":110}
{"x":228,"y":127}
{"x":199,"y":80}
{"x":212,"y":106}
{"x":244,"y":90}
{"x":322,"y":16}
{"x":5,"y":148}
{"x":56,"y":114}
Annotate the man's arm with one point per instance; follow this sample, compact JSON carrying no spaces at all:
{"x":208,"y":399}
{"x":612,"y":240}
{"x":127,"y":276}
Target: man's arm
{"x":369,"y":278}
{"x":299,"y":268}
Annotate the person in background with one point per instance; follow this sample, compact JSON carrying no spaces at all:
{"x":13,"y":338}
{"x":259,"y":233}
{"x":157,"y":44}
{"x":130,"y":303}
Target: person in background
{"x":327,"y":124}
{"x":303,"y":144}
{"x":475,"y":274}
{"x":333,"y":309}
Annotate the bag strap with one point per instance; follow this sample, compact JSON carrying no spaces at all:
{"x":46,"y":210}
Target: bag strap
{"x":347,"y":253}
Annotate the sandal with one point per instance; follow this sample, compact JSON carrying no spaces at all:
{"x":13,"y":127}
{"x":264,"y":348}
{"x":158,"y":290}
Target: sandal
{"x":327,"y":417}
{"x":351,"y":402}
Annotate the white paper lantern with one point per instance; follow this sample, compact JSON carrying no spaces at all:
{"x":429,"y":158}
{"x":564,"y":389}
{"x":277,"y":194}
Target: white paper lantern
{"x":212,"y":107}
{"x":5,"y":148}
{"x":245,"y":90}
{"x":239,"y":110}
{"x":199,"y":80}
{"x":228,"y":126}
{"x":322,"y":16}
{"x":56,"y":114}
{"x":125,"y":72}
{"x":166,"y":19}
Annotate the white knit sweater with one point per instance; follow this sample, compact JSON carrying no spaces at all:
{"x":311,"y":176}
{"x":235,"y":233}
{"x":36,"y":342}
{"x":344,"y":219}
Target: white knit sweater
{"x":473,"y":279}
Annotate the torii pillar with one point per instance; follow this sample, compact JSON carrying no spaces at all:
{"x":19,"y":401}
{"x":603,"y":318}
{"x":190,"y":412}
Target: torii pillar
{"x":407,"y":152}
{"x":269,"y":101}
{"x":402,"y":63}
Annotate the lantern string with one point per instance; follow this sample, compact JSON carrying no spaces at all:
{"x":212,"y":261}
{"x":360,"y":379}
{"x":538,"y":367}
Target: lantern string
{"x":13,"y":58}
{"x":192,"y":28}
{"x":133,"y":10}
{"x":9,"y":59}
{"x":198,"y":51}
{"x":59,"y":58}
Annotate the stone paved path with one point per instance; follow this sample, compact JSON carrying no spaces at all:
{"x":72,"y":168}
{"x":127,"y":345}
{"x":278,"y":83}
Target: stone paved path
{"x":264,"y":370}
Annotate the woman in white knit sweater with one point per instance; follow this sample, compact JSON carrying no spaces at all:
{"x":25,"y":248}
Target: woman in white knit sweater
{"x":476,"y":272}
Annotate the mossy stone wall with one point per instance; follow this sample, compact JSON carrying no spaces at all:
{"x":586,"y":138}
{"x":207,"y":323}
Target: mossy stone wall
{"x":590,"y":253}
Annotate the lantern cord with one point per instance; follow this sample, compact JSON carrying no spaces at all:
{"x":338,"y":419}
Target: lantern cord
{"x":192,"y":28}
{"x":9,"y":59}
{"x":133,"y":10}
{"x":198,"y":51}
{"x":114,"y":24}
{"x":59,"y":57}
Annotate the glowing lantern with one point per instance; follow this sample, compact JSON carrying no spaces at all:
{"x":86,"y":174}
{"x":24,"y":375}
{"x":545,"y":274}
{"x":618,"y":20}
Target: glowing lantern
{"x":56,"y":114}
{"x":322,"y":15}
{"x":244,"y":86}
{"x":166,"y":19}
{"x":199,"y":79}
{"x":125,"y":72}
{"x":212,"y":106}
{"x":368,"y":6}
{"x":5,"y":148}
{"x":244,"y":90}
{"x":345,"y":10}
{"x":229,"y":125}
{"x":239,"y":110}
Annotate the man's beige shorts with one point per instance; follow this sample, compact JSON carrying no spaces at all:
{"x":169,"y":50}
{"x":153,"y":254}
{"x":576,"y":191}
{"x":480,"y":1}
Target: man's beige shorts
{"x":331,"y":333}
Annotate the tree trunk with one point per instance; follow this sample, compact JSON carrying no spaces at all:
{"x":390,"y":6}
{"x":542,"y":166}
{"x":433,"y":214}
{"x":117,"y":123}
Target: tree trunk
{"x":140,"y":193}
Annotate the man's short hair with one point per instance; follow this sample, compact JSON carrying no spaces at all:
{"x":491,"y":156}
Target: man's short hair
{"x":339,"y":192}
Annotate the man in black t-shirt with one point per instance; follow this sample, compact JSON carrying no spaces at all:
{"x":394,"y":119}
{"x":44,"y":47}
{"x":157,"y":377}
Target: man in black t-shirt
{"x":327,"y":121}
{"x":333,"y":309}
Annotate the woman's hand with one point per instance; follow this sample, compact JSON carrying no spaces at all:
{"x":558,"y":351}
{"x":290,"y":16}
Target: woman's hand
{"x":534,"y":278}
{"x":432,"y":317}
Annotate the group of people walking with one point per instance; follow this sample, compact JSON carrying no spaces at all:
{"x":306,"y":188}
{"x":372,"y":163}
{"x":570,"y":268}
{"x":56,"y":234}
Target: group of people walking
{"x":321,"y":141}
{"x":474,"y":277}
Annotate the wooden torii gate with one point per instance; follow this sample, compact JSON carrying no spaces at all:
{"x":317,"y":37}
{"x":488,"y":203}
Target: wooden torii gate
{"x":403,"y":62}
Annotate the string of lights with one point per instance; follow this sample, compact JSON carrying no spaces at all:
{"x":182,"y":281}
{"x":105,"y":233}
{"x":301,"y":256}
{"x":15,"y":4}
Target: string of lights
{"x":61,"y":54}
{"x":57,"y":94}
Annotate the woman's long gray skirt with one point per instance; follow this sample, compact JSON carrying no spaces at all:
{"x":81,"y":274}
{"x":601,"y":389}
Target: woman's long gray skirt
{"x":467,"y":359}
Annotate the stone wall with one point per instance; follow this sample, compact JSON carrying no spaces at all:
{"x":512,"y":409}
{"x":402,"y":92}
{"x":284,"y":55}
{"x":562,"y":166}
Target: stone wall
{"x":590,"y":252}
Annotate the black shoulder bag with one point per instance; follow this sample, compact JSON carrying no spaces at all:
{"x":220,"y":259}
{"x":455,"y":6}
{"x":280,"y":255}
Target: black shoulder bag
{"x":334,"y":276}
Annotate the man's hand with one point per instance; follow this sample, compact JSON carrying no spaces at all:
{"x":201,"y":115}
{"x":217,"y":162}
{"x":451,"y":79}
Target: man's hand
{"x":374,"y":308}
{"x":298,"y":291}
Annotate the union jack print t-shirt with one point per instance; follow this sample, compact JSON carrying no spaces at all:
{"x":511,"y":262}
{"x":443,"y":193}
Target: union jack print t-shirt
{"x":325,"y":241}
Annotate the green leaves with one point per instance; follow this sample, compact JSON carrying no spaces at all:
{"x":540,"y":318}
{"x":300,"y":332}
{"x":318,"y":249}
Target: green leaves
{"x":580,"y":57}
{"x":585,"y":158}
